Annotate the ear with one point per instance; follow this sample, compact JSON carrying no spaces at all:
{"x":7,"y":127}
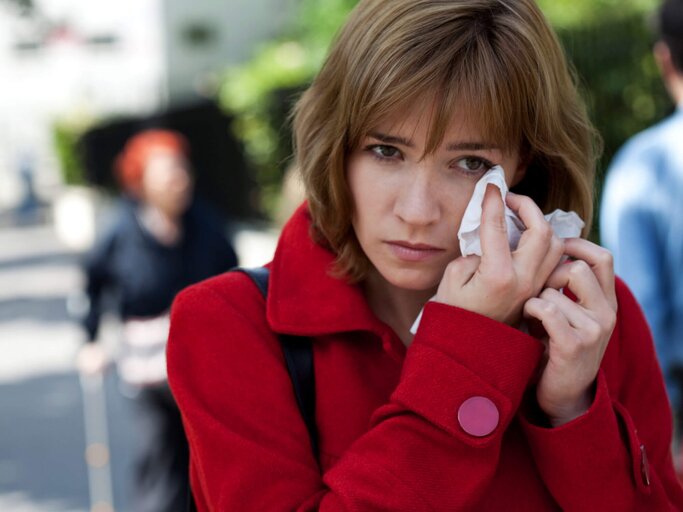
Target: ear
{"x":663,"y":58}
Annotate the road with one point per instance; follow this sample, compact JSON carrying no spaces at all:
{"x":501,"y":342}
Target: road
{"x":42,"y":435}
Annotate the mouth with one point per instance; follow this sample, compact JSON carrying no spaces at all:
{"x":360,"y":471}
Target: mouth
{"x":413,"y":252}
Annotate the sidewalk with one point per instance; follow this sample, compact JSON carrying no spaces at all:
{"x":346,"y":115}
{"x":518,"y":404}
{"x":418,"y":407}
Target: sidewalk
{"x":41,"y":426}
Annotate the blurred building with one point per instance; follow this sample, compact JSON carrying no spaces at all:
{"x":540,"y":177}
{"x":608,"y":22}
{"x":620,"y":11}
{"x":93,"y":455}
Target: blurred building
{"x":77,"y":60}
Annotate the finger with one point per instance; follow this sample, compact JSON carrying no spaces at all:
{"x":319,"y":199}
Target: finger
{"x":554,"y":322}
{"x":525,"y":208}
{"x":539,"y":249}
{"x":538,"y":245}
{"x":582,"y":281}
{"x":456,"y":275}
{"x":600,"y":261}
{"x":538,"y":231}
{"x":538,"y":267}
{"x":460,"y":271}
{"x":573,"y":312}
{"x":495,"y":247}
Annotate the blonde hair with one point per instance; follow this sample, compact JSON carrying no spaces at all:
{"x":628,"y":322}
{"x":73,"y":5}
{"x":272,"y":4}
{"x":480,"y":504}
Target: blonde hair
{"x":497,"y":60}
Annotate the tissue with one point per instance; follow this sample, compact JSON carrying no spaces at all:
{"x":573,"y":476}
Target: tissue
{"x":564,"y":224}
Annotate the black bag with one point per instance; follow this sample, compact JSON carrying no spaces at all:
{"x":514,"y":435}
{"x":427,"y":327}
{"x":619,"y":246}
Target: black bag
{"x":298,"y":354}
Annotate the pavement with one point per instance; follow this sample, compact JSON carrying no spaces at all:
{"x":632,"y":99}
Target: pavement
{"x":42,"y":434}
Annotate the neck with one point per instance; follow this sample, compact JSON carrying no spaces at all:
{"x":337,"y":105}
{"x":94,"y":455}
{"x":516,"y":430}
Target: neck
{"x":675,"y":87}
{"x":165,"y":228}
{"x":397,"y":307}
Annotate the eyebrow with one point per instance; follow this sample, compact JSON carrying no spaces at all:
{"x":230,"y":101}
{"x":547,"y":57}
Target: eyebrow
{"x":454,"y":146}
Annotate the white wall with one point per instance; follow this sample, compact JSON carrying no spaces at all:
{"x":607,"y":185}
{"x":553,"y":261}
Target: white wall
{"x":237,"y":25}
{"x":67,"y":75}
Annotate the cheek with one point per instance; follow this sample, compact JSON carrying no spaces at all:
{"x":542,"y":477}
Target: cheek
{"x":362,"y":186}
{"x":456,"y":199}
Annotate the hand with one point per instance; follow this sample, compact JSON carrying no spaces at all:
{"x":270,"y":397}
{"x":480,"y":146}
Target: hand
{"x":498,"y":283}
{"x":578,"y":332}
{"x":92,"y":359}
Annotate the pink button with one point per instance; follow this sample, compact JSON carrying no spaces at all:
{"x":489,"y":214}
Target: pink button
{"x":478,"y":416}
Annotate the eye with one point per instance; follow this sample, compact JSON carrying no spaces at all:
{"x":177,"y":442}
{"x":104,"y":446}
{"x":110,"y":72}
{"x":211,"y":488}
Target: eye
{"x":473,"y":165}
{"x":384,"y":152}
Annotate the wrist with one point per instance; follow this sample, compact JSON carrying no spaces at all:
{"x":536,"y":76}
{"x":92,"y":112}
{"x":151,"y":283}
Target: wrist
{"x":569,"y":412}
{"x":566,"y":417}
{"x":552,"y":417}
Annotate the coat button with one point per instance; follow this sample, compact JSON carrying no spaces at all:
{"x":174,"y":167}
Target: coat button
{"x":644,"y":466}
{"x":478,"y":416}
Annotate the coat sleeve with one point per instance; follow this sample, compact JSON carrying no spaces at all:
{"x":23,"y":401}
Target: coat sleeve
{"x":96,"y":267}
{"x":617,"y":456}
{"x":249,"y":445}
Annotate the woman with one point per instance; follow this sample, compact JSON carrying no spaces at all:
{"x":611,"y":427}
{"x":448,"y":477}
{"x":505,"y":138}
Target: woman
{"x":159,"y":243}
{"x":417,"y":100}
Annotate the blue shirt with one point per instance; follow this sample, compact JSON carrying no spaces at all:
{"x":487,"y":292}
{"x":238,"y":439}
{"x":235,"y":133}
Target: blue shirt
{"x":641,"y":222}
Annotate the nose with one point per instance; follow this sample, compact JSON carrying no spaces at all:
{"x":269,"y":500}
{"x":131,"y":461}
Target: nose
{"x":417,"y":201}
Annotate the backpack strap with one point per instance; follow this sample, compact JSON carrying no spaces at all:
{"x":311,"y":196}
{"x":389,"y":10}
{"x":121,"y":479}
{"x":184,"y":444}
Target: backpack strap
{"x":298,"y":353}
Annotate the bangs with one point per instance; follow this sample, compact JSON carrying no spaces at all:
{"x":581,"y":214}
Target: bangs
{"x":468,"y":75}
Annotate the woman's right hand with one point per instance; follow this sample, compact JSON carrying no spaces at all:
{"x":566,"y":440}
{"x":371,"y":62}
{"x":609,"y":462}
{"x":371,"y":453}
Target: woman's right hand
{"x":499,"y":282}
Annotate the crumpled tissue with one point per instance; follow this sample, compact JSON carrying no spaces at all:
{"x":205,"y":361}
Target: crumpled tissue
{"x":564,"y":224}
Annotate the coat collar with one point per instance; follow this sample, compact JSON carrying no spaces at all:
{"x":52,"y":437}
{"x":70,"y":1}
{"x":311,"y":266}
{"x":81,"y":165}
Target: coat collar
{"x":303,"y":299}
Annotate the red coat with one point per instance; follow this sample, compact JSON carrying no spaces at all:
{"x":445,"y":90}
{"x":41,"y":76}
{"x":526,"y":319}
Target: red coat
{"x":387,"y":416}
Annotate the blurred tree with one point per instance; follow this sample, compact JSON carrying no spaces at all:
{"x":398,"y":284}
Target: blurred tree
{"x":608,"y":41}
{"x":260,"y":93}
{"x":65,"y":135}
{"x":576,"y":13}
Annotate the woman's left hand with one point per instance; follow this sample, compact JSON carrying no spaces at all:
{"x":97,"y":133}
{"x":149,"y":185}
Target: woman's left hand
{"x":578,"y":332}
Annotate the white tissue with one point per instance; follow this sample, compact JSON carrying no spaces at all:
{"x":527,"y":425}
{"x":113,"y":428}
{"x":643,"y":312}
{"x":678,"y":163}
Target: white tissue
{"x":468,"y":234}
{"x":564,"y":224}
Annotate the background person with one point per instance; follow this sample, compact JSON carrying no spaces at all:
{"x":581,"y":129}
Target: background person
{"x":417,"y":101}
{"x":642,"y":211}
{"x":160,"y":242}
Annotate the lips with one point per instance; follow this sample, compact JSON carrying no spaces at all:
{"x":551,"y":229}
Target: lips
{"x":413,"y":252}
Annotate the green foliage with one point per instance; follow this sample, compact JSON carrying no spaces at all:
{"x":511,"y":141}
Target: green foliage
{"x":608,"y":41}
{"x":65,"y":139}
{"x":260,"y":93}
{"x":619,"y":77}
{"x":577,"y":13}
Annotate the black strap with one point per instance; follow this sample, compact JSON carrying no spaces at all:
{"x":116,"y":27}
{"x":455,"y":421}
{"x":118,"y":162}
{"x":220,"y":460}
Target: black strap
{"x":298,"y":354}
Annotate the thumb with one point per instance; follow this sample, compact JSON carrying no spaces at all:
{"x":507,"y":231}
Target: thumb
{"x":495,"y":247}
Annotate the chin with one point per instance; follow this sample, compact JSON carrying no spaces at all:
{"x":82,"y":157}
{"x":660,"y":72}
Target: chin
{"x":414,"y":280}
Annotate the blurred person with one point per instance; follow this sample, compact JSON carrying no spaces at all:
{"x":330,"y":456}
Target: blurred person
{"x":530,"y":383}
{"x":160,"y":242}
{"x":642,"y":211}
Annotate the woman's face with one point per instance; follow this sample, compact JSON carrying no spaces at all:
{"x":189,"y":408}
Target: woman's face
{"x":407,"y":209}
{"x":167,"y":183}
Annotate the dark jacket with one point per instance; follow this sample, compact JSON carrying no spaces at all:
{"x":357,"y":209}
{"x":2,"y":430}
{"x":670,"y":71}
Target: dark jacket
{"x":141,"y":274}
